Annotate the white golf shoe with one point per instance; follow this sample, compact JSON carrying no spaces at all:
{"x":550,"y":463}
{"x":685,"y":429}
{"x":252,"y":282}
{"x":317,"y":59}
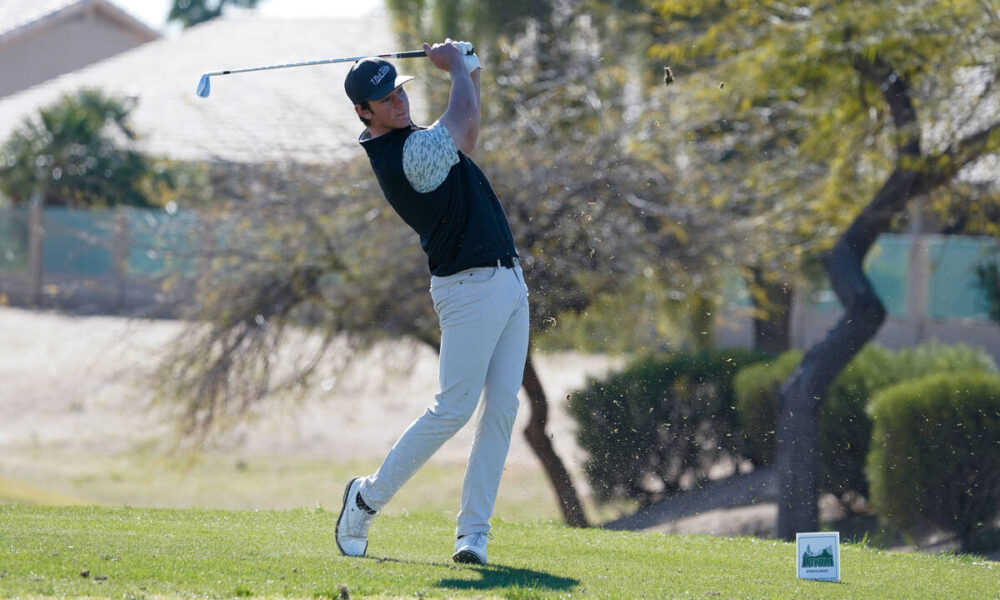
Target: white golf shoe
{"x":471,"y":549}
{"x":353,"y":523}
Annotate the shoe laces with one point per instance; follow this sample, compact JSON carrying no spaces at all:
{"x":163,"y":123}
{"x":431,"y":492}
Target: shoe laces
{"x":359,"y":520}
{"x":479,"y":539}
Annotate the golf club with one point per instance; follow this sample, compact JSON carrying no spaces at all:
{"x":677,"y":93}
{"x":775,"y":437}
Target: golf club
{"x":205,"y":88}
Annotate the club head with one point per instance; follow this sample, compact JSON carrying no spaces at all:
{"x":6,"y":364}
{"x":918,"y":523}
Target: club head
{"x":204,"y":88}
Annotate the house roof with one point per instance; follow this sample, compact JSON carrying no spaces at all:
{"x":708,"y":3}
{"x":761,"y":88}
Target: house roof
{"x":20,"y":17}
{"x":299,"y":114}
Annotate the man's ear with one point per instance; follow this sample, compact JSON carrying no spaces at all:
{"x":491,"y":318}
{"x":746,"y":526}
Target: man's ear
{"x":363,"y":112}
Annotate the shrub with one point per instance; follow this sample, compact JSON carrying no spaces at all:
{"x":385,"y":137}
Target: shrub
{"x":660,"y":423}
{"x":844,"y":427}
{"x":756,"y":390}
{"x":916,"y":362}
{"x":935,"y":455}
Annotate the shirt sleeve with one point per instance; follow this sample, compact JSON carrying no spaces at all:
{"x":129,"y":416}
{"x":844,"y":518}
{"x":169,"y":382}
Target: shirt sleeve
{"x":428,"y":156}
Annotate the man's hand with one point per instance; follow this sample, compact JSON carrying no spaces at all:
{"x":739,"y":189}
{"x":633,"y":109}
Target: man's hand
{"x":437,"y":55}
{"x":471,"y":60}
{"x":445,"y":55}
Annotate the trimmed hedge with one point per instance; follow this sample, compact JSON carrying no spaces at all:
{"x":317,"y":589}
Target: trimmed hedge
{"x":757,"y":403}
{"x":844,"y":427}
{"x":659,"y":424}
{"x":935,"y":455}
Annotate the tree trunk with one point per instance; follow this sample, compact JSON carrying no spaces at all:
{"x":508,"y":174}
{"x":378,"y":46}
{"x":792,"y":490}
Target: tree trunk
{"x":802,"y":394}
{"x":772,"y":301}
{"x":569,"y":502}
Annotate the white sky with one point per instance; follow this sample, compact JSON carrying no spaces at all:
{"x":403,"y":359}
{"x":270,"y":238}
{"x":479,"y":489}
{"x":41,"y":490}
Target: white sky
{"x":154,"y":12}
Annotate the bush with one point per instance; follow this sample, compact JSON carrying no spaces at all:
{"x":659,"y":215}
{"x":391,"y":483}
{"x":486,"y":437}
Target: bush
{"x":935,"y":455}
{"x":659,"y":424}
{"x":844,"y":427}
{"x":756,"y":390}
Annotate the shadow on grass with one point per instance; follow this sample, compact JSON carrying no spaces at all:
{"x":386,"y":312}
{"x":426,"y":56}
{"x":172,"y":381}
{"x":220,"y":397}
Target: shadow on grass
{"x":499,"y":576}
{"x":491,"y":576}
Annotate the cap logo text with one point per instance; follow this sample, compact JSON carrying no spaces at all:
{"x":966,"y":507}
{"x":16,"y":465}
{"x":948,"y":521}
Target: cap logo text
{"x":378,"y":77}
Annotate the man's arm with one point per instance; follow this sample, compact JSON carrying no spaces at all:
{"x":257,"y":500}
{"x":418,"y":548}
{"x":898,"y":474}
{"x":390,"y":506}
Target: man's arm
{"x":461,"y":118}
{"x":473,"y":134}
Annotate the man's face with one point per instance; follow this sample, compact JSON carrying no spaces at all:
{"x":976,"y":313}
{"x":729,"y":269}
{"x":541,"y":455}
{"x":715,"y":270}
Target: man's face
{"x":386,"y":114}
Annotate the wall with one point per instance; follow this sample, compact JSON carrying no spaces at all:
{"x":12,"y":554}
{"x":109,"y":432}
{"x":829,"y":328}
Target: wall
{"x":63,"y":47}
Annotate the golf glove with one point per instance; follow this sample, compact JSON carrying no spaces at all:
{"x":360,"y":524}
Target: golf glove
{"x":471,"y":60}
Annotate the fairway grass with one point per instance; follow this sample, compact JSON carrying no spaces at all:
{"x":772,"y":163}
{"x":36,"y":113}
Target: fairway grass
{"x":142,"y":554}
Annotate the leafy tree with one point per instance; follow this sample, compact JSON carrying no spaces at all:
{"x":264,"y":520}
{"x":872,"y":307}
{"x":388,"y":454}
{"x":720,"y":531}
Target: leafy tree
{"x":476,"y":20}
{"x":80,"y":151}
{"x":193,"y":12}
{"x":837,"y":115}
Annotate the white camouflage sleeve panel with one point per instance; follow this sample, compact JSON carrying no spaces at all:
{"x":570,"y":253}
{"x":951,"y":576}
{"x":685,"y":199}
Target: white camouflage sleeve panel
{"x":428,"y":156}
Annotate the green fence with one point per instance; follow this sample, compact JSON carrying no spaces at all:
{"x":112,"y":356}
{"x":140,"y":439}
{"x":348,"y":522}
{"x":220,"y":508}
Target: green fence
{"x":13,"y":239}
{"x":156,"y":244}
{"x":85,"y":242}
{"x":952,"y":290}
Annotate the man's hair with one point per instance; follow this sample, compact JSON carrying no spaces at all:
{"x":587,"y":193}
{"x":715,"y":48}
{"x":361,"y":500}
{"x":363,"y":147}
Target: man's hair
{"x":365,"y":106}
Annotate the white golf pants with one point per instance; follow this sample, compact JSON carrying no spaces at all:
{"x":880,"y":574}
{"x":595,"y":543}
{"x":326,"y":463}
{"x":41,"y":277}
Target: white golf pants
{"x":483,"y":313}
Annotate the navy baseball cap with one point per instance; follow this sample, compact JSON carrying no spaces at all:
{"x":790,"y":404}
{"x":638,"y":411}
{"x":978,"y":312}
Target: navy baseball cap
{"x":372,"y":78}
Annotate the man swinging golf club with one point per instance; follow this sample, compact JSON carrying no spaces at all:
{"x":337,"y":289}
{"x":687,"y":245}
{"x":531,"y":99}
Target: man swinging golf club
{"x":477,"y":288}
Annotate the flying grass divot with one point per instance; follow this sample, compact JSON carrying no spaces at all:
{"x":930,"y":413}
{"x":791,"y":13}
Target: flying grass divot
{"x":668,"y":76}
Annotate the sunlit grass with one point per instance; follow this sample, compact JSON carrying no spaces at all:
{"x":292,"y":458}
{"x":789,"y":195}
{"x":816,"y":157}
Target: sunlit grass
{"x":168,"y":553}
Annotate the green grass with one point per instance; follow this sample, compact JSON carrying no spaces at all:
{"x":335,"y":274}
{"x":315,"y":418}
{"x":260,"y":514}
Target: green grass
{"x":136,"y":554}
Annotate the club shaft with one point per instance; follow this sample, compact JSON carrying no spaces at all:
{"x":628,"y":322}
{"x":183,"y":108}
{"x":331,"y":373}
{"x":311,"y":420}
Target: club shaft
{"x":409,"y":54}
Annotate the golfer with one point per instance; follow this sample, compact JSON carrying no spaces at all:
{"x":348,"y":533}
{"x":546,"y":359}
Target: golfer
{"x":477,"y":288}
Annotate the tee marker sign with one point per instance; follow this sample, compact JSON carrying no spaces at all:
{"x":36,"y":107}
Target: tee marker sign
{"x":817,"y":555}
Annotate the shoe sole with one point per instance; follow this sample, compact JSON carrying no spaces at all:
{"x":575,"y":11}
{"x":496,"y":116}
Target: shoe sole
{"x":467,"y":557}
{"x":343,"y":510}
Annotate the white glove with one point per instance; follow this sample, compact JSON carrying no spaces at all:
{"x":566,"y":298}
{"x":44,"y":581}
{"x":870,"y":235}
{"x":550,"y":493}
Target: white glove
{"x":471,"y":60}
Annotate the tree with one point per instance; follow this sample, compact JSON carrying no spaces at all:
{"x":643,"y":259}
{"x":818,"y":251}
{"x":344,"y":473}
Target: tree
{"x":853,"y":111}
{"x":80,"y":151}
{"x":192,"y":12}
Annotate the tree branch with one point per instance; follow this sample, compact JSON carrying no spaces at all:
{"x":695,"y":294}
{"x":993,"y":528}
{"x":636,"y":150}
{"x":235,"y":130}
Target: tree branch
{"x":938,"y":169}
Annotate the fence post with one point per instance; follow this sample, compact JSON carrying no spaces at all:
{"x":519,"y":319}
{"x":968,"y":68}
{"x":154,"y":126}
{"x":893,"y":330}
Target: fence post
{"x":918,"y":285}
{"x":36,"y":239}
{"x":120,"y":256}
